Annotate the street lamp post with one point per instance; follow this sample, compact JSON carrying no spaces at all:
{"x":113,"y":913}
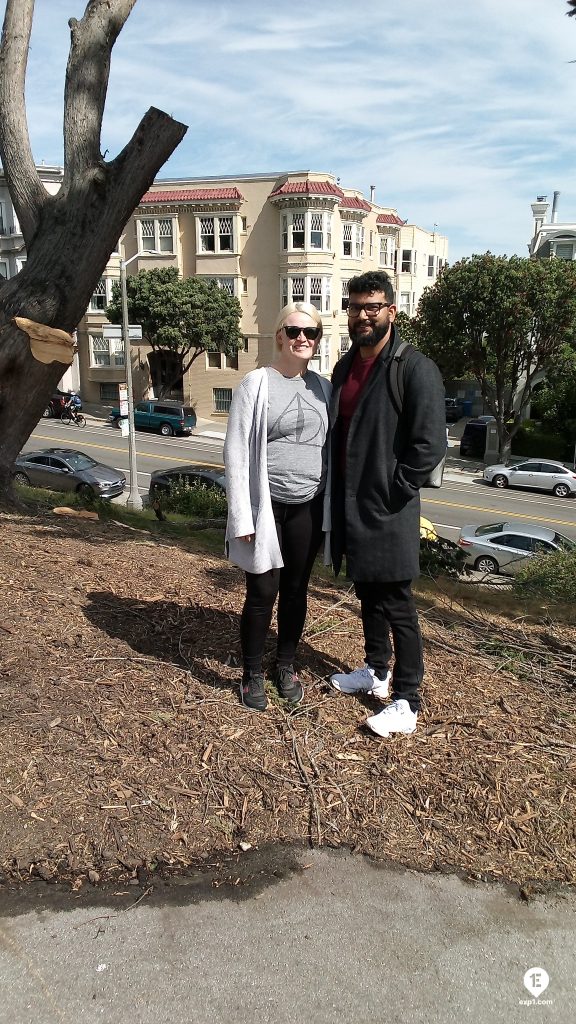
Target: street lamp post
{"x":133,"y":501}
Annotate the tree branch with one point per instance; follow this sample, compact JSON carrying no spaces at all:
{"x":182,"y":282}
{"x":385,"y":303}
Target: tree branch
{"x":134,"y":169}
{"x":87,"y":74}
{"x":27,"y":192}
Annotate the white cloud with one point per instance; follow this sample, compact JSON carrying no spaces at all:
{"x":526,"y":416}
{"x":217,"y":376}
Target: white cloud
{"x":459,"y":112}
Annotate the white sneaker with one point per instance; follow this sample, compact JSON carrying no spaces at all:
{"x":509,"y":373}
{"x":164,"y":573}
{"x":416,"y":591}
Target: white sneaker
{"x":362,"y":680}
{"x":397,"y":717}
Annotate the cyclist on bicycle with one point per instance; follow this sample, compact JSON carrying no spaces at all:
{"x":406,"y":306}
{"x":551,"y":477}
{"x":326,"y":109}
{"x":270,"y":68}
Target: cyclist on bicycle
{"x":73,"y":404}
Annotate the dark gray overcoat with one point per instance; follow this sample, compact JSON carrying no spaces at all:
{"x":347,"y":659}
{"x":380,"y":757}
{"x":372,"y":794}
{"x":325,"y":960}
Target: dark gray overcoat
{"x":376,"y":504}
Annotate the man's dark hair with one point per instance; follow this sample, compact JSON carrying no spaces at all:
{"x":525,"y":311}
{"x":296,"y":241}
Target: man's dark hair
{"x":372,"y":281}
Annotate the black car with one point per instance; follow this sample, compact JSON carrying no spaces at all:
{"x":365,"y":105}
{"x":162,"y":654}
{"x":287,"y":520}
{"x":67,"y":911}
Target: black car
{"x":56,"y":404}
{"x":454,"y":409}
{"x":163,"y":479}
{"x":473,"y":440}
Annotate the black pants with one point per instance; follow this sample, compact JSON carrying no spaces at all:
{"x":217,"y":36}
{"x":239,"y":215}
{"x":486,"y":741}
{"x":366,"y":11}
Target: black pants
{"x":299,"y":529}
{"x":390,"y":608}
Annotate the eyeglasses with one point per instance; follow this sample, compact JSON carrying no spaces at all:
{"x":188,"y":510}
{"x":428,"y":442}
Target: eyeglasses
{"x":370,"y":308}
{"x":311,"y":333}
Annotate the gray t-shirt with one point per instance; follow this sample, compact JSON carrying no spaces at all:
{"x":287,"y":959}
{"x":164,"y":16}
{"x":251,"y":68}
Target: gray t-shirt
{"x":297,"y":432}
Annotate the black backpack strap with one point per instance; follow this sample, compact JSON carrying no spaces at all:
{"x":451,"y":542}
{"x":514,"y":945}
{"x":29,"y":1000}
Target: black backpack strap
{"x":396,"y":379}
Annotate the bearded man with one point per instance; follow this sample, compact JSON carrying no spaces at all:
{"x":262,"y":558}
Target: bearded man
{"x":381,"y":459}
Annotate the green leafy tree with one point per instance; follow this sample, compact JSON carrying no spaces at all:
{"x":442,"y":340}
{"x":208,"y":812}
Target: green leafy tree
{"x":502,"y":321}
{"x":555,"y":399}
{"x":408,"y":328}
{"x":181,"y":317}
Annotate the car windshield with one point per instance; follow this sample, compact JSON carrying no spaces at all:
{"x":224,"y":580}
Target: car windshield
{"x":492,"y":528}
{"x":564,"y":543}
{"x":77,"y":460}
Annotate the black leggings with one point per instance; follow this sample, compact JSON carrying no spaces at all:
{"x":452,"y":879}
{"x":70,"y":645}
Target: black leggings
{"x":299,"y":529}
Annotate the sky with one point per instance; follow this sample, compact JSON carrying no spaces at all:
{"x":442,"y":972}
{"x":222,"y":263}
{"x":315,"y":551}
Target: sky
{"x":459,"y":112}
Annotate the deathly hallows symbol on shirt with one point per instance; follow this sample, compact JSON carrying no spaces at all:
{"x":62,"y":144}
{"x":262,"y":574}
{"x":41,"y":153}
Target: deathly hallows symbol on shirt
{"x":299,"y":423}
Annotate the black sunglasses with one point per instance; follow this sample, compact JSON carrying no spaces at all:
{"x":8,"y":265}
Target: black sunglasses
{"x":311,"y":333}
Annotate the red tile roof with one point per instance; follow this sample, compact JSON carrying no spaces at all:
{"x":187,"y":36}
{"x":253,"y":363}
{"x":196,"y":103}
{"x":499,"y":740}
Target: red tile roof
{"x":191,"y":194}
{"x":353,"y":203}
{"x":316,"y":188}
{"x":389,"y":218}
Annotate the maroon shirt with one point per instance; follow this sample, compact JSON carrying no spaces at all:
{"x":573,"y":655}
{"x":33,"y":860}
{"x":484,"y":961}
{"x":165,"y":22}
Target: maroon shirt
{"x":349,"y":395}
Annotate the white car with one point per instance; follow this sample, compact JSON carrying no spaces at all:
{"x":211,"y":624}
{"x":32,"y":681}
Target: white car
{"x":535,"y":474}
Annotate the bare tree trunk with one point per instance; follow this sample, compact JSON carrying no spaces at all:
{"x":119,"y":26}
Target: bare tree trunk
{"x":69,"y":237}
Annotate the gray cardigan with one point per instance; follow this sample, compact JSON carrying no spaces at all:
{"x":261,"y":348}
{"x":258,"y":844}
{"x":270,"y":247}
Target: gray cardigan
{"x":247,"y":488}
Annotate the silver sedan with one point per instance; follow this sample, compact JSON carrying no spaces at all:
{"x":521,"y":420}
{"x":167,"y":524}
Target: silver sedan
{"x":504,"y":547}
{"x":534,"y":474}
{"x":65,"y":469}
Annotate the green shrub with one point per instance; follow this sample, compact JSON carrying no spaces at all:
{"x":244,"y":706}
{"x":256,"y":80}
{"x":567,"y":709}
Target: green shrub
{"x":548,"y":576}
{"x":531,"y":441}
{"x":441,"y":557}
{"x":196,"y":500}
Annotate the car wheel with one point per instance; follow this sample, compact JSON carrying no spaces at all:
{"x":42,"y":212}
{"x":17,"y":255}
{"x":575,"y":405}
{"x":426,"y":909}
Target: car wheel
{"x":47,"y":414}
{"x":166,"y":430}
{"x":86,"y":491}
{"x":561,"y":490}
{"x":486,"y":565}
{"x":22,"y":479}
{"x":500,"y":480}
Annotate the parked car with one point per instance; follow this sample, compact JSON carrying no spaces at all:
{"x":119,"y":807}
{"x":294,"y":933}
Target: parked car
{"x":56,"y":404}
{"x":535,"y":475}
{"x":166,"y":416}
{"x":473,"y":440}
{"x":503,"y":547}
{"x":454,"y":409}
{"x":65,"y":469}
{"x":163,"y":479}
{"x":195,"y":473}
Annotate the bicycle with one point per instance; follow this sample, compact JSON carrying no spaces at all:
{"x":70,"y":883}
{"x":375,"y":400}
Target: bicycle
{"x":72,"y":415}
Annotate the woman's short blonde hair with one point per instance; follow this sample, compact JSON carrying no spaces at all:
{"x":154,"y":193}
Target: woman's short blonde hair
{"x":298,"y":307}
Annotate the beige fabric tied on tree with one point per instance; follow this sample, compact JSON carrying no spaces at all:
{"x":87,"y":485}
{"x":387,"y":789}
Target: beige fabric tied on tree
{"x":47,"y":344}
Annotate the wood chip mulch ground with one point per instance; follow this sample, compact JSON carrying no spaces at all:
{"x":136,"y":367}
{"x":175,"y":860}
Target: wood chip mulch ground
{"x":124,"y":747}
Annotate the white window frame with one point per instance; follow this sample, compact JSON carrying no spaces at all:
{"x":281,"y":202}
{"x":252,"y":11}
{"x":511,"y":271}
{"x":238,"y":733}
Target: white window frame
{"x":431,"y":262}
{"x":345,"y":293}
{"x":155,"y":241}
{"x":565,"y":245}
{"x":321,"y":361}
{"x":227,"y":282}
{"x":103,"y":290}
{"x":353,"y":236}
{"x":344,"y":343}
{"x":3,"y":273}
{"x":219,"y":224}
{"x":299,"y":222}
{"x":111,"y":351}
{"x":298,"y":288}
{"x":407,"y":265}
{"x":404,"y":305}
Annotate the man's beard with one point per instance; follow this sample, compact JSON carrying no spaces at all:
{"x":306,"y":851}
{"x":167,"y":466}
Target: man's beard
{"x":378,"y":332}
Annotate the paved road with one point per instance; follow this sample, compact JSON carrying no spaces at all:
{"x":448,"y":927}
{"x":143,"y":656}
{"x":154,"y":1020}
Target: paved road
{"x":463,"y":498}
{"x":336,"y":941}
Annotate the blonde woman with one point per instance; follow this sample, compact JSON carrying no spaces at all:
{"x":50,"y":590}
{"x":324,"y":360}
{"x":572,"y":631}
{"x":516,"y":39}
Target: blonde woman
{"x":276,"y":465}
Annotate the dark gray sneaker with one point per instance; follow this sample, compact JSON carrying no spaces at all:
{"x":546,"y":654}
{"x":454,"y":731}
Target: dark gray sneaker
{"x":289,"y":686}
{"x":252,"y":692}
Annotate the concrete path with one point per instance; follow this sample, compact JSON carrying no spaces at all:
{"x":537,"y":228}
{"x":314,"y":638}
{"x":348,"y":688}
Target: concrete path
{"x":333,"y":939}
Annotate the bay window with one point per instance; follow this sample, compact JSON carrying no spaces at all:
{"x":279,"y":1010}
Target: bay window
{"x":216,"y":234}
{"x":106,"y":351}
{"x":156,"y":234}
{"x":306,"y":229}
{"x":315,"y":290}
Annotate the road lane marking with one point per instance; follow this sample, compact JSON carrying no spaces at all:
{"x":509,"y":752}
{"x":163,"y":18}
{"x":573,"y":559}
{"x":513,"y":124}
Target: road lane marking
{"x":502,"y":514}
{"x":124,"y":451}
